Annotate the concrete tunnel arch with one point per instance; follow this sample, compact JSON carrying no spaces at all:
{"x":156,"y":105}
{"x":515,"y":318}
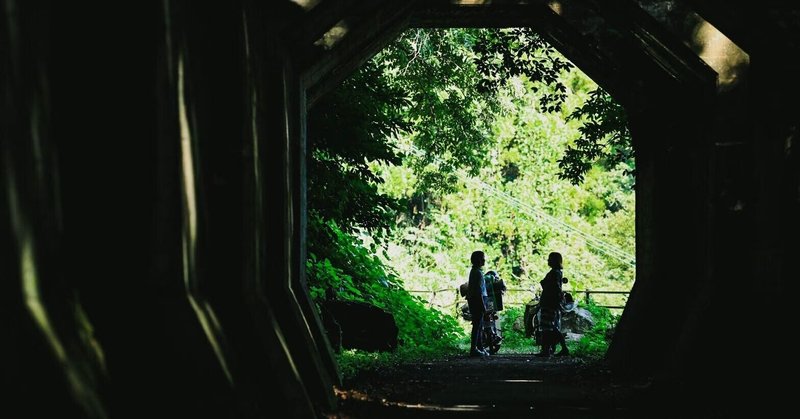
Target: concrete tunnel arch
{"x":207,"y":104}
{"x":655,"y":88}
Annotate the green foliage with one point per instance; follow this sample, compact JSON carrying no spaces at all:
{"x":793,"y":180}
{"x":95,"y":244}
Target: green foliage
{"x":514,"y":340}
{"x":351,"y":272}
{"x":594,"y":343}
{"x":353,"y":362}
{"x":429,"y":101}
{"x":453,"y":77}
{"x":436,"y":88}
{"x":507,"y":53}
{"x":437,"y":70}
{"x":394,"y":156}
{"x":346,"y":131}
{"x":431,"y":245}
{"x":604,"y":140}
{"x":592,"y":207}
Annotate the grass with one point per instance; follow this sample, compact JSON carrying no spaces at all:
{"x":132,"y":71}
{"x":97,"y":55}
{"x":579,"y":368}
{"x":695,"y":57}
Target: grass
{"x":592,"y":346}
{"x":353,"y":361}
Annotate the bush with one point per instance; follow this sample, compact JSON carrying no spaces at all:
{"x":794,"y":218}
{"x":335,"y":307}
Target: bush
{"x":594,"y":343}
{"x":350,"y":272}
{"x":353,"y":362}
{"x":514,"y":340}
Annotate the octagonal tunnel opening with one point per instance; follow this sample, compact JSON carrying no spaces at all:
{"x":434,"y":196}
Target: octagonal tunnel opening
{"x":700,"y":202}
{"x":451,"y":182}
{"x":454,"y":140}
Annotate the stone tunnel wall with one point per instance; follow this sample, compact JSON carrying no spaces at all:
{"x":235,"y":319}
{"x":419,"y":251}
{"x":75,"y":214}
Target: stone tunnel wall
{"x":152,"y":230}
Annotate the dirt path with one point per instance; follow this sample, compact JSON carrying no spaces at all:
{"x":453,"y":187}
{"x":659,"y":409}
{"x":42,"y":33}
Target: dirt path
{"x":507,"y":385}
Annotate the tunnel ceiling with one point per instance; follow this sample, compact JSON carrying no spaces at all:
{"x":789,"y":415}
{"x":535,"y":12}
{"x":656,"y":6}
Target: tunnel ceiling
{"x":630,"y":48}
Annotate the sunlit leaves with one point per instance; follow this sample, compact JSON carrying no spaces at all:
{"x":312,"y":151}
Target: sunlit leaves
{"x":605,"y":138}
{"x":433,"y":110}
{"x":453,"y":77}
{"x":522,"y":162}
{"x":350,"y":271}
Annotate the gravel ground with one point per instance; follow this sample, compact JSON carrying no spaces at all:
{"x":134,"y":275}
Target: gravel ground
{"x":506,"y":385}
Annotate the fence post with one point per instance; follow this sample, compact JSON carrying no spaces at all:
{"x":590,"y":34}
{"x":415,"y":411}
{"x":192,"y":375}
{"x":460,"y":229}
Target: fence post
{"x":588,"y":296}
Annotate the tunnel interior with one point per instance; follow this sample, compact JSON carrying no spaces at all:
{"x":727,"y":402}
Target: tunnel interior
{"x":153,"y":193}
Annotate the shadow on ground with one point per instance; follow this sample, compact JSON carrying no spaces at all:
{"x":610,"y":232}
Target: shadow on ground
{"x":512,"y":385}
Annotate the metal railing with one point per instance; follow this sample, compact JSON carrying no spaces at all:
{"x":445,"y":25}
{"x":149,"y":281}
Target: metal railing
{"x":449,"y":297}
{"x":588,"y":296}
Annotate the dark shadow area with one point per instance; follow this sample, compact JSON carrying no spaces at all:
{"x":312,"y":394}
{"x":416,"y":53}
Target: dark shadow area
{"x":153,"y":205}
{"x":514,"y":385}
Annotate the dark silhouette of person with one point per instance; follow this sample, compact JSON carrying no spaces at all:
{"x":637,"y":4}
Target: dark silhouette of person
{"x":476,"y":299}
{"x":550,"y":308}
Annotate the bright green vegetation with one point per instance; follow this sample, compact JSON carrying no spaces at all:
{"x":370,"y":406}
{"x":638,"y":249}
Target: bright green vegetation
{"x":355,"y":274}
{"x":514,"y":340}
{"x":517,"y":209}
{"x":594,"y":343}
{"x":351,"y":361}
{"x":449,"y":141}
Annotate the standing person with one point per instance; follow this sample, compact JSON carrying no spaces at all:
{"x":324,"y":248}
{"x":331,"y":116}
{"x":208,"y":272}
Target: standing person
{"x":550,"y":308}
{"x":476,"y":299}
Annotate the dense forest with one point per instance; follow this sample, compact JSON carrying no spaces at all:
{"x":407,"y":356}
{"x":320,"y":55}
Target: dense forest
{"x":450,"y":141}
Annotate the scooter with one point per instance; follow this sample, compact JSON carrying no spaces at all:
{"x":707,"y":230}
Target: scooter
{"x":492,"y":339}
